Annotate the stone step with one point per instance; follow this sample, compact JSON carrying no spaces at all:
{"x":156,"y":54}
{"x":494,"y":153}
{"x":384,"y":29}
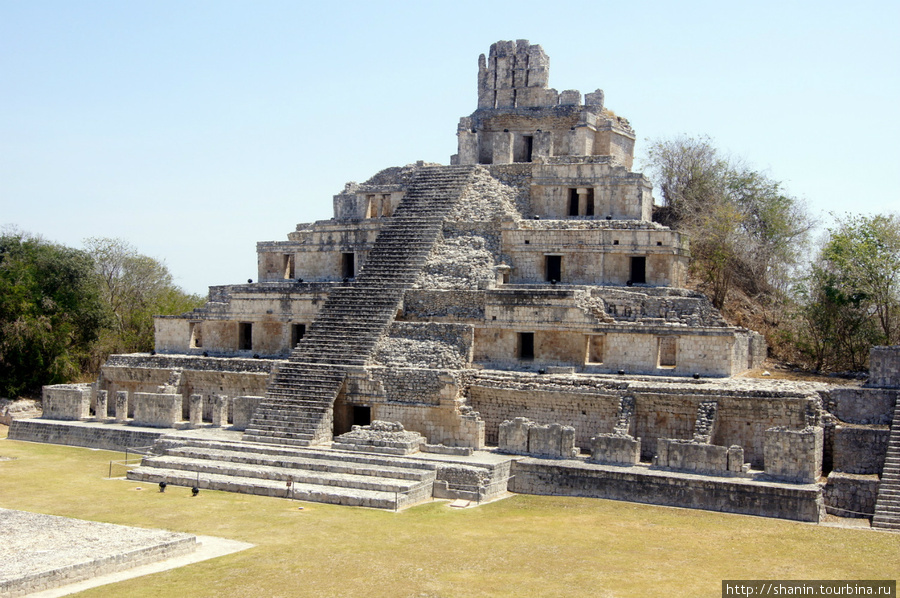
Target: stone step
{"x":284,"y":474}
{"x":166,"y":444}
{"x":295,"y":460}
{"x":277,"y":488}
{"x":355,"y":316}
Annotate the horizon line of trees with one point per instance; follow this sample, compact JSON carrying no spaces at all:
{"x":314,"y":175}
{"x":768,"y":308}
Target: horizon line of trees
{"x":64,"y":310}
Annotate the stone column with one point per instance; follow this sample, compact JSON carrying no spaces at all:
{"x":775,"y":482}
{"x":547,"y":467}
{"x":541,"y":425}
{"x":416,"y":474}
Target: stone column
{"x":196,"y":411}
{"x":100,"y":411}
{"x":220,"y":411}
{"x":121,"y":406}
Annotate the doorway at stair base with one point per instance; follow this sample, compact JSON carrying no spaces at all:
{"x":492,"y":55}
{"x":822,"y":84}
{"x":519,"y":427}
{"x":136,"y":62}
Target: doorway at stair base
{"x":347,"y":415}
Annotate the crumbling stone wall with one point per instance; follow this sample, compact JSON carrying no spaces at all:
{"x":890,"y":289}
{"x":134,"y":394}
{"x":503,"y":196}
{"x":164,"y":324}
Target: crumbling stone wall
{"x":426,"y":345}
{"x":662,"y":409}
{"x":521,"y":436}
{"x":197,"y":375}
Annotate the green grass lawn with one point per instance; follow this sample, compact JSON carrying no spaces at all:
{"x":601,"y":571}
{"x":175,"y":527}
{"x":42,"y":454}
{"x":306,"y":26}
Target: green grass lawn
{"x":521,"y":546}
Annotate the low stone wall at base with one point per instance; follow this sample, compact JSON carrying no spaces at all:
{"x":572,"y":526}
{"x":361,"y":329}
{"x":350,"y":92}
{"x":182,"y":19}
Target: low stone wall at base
{"x":802,"y":502}
{"x":851,"y":495}
{"x":112,"y":437}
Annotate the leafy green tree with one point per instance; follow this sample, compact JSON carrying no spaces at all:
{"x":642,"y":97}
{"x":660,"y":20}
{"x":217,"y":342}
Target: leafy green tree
{"x":135,"y":288}
{"x":51,"y":312}
{"x":850,"y":298}
{"x":864,"y":253}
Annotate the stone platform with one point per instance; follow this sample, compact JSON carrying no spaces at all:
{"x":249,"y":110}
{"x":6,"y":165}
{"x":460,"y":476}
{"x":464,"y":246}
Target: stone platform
{"x":216,"y":458}
{"x":753,"y":495}
{"x":39,"y":552}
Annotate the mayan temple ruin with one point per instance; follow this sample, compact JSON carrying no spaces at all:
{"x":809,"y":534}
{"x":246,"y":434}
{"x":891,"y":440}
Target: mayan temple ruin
{"x":514,"y":321}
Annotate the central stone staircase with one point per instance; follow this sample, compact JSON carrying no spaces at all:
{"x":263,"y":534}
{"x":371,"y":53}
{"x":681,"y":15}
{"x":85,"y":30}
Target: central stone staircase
{"x":298,"y":408}
{"x":887,"y":505}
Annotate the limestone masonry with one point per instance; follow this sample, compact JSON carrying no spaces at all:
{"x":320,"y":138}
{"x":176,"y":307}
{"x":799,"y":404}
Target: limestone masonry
{"x":519,"y":298}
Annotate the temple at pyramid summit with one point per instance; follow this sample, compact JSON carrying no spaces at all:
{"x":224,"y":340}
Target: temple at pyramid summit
{"x":504,"y":315}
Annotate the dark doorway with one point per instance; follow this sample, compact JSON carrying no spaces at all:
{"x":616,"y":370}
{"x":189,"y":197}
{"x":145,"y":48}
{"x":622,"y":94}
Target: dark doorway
{"x":553,"y":268}
{"x":245,"y":336}
{"x":348,"y":265}
{"x":573,"y":202}
{"x":362,"y":416}
{"x":589,"y":205}
{"x":524,"y":150}
{"x":298,"y":331}
{"x":526,"y":346}
{"x":638,"y":270}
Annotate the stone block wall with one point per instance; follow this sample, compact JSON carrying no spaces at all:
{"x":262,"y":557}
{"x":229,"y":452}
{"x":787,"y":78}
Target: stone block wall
{"x":615,"y":449}
{"x":855,"y":405}
{"x":242,"y":411}
{"x":730,"y":495}
{"x":580,"y":263}
{"x":662,"y":410}
{"x":635,"y":351}
{"x":156,"y":410}
{"x":884,"y":367}
{"x":423,"y":400}
{"x":67,"y":401}
{"x":443,"y":305}
{"x":439,"y":424}
{"x":794,"y":455}
{"x":686,"y":455}
{"x":198,"y":375}
{"x":616,"y":192}
{"x":851,"y":495}
{"x":555,"y":441}
{"x":860,"y":449}
{"x":513,"y":436}
{"x":523,"y":437}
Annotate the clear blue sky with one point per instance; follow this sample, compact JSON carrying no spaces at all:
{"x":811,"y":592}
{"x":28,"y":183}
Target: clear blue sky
{"x":195,"y":129}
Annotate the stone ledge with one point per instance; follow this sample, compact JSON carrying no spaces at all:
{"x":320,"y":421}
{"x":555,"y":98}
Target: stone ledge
{"x":802,"y":502}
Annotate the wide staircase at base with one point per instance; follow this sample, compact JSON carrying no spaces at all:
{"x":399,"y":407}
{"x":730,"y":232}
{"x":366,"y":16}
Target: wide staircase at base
{"x":887,"y":505}
{"x":313,"y":475}
{"x":297,"y":409}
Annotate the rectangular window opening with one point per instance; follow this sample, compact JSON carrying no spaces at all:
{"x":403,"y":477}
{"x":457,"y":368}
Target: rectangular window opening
{"x":526,"y":346}
{"x":245,"y":336}
{"x":595,"y":348}
{"x":638,"y":270}
{"x":573,"y":202}
{"x":362,"y":415}
{"x":288,"y":267}
{"x":529,"y":147}
{"x":589,"y":205}
{"x":553,"y":268}
{"x":348,"y":265}
{"x":668,"y":349}
{"x":196,"y":335}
